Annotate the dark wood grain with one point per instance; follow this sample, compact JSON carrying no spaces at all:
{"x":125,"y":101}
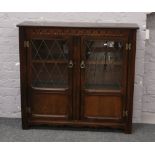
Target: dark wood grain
{"x":101,"y":107}
{"x":77,"y":105}
{"x":130,"y":83}
{"x":23,"y":78}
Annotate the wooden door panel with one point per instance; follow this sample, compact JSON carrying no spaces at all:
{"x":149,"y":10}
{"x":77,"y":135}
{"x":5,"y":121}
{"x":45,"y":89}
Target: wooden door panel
{"x":52,"y":105}
{"x":50,"y":77}
{"x":103,"y":77}
{"x":101,"y":107}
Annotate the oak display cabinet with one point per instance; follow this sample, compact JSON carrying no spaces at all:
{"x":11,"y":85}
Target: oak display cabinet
{"x":77,"y":74}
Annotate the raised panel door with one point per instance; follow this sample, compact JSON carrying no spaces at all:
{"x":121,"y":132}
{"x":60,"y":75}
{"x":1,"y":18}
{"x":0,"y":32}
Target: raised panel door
{"x":50,"y":78}
{"x":103,"y":78}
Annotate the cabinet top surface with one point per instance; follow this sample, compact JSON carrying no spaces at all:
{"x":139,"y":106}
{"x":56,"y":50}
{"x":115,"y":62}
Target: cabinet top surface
{"x":77,"y":24}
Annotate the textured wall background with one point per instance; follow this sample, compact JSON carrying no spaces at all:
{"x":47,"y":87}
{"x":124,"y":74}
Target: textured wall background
{"x":9,"y":58}
{"x":148,"y":108}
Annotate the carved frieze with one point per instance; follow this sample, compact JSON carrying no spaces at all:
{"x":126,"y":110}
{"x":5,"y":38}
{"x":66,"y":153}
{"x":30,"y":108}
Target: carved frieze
{"x":76,"y":32}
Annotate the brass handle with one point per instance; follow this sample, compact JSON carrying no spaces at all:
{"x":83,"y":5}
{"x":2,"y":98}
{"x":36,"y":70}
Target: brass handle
{"x":70,"y":64}
{"x":82,"y":65}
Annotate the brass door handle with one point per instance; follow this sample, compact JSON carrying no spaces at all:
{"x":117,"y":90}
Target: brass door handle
{"x":70,"y":64}
{"x":82,"y":65}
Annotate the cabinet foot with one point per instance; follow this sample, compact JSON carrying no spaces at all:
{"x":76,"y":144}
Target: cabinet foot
{"x":128,"y":130}
{"x":25,"y":126}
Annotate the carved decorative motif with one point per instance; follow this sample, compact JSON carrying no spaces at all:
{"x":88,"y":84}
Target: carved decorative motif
{"x":76,"y":32}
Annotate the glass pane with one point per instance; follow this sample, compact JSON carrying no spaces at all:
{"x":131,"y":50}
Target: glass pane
{"x":49,"y":63}
{"x":104,"y":64}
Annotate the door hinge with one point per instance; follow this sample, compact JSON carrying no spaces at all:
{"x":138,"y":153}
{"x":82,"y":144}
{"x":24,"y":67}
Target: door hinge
{"x":26,"y":44}
{"x":125,"y":113}
{"x":128,"y":46}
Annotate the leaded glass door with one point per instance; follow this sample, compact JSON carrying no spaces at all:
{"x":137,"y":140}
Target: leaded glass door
{"x":103,"y":78}
{"x":50,"y":77}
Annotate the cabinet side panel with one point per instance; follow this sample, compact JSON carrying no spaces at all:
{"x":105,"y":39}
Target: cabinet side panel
{"x":131,"y":75}
{"x":23,"y":77}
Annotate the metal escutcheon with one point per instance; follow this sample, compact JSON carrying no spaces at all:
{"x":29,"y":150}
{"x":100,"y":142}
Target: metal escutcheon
{"x":70,"y":64}
{"x":82,"y":65}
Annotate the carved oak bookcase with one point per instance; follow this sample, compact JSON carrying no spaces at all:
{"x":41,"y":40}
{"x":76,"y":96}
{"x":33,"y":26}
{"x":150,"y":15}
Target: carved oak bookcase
{"x":77,"y":74}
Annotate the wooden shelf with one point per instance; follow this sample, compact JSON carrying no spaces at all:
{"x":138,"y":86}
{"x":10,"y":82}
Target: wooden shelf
{"x":105,"y":49}
{"x":102,"y":63}
{"x":50,"y":61}
{"x":50,"y":89}
{"x":103,"y":87}
{"x":103,"y":90}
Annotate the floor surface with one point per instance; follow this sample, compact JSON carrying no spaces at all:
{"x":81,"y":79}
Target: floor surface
{"x":11,"y":131}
